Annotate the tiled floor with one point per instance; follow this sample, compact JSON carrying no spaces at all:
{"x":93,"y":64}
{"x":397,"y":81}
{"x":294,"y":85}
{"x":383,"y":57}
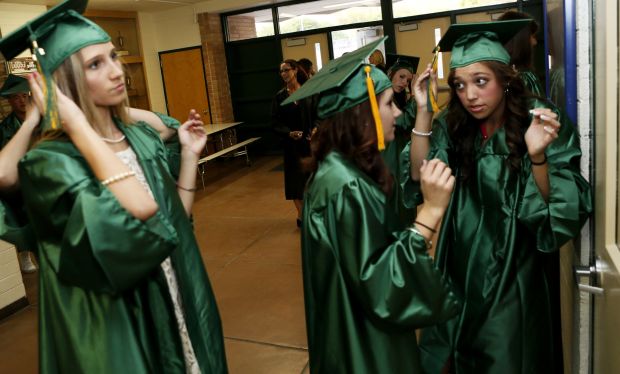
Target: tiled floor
{"x":250,"y":245}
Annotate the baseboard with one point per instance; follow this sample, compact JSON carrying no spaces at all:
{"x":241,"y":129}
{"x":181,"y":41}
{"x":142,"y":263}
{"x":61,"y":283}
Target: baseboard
{"x":13,"y":307}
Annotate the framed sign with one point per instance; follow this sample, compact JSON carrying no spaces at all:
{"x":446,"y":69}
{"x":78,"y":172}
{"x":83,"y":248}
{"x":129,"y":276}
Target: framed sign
{"x":21,"y":65}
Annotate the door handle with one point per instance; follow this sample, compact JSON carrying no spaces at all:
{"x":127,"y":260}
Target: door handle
{"x":592,"y":272}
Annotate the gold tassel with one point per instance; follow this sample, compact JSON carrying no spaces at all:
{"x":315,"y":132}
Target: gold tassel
{"x":374,"y":107}
{"x":49,"y":94}
{"x":432,"y":98}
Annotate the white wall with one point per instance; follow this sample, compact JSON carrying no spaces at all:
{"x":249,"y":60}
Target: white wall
{"x":163,"y":31}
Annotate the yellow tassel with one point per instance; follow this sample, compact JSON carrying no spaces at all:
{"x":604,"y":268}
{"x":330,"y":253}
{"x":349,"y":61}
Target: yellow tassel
{"x":49,"y":94}
{"x":431,"y":95}
{"x":374,"y":107}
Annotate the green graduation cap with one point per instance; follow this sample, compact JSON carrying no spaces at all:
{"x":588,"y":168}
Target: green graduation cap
{"x":53,"y":37}
{"x":481,"y":41}
{"x":14,"y":84}
{"x":346,"y":82}
{"x":396,"y":62}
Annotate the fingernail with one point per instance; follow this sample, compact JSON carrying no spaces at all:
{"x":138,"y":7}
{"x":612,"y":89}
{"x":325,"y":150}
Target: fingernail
{"x":549,"y":129}
{"x":544,"y":117}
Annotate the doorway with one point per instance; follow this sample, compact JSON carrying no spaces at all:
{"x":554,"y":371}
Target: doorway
{"x":185,"y":84}
{"x":314,"y":47}
{"x":419,"y":39}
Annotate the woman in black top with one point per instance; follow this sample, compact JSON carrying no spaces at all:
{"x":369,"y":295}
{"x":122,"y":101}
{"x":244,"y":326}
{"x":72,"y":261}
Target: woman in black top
{"x":293,"y":122}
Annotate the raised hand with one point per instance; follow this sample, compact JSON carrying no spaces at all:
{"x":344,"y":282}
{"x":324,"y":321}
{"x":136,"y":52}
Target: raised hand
{"x":420,"y":87}
{"x":70,"y":114}
{"x":192,"y":135}
{"x":437,"y":183}
{"x":543,"y":131}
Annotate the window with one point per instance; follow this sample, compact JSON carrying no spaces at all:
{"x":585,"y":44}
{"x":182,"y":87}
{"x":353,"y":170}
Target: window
{"x":349,"y":40}
{"x":408,"y":8}
{"x":250,"y":25}
{"x":327,"y":13}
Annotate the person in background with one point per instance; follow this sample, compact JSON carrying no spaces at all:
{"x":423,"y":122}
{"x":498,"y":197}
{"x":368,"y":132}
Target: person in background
{"x":307,"y":66}
{"x":15,"y":89}
{"x":401,"y":71}
{"x":519,"y":195}
{"x":376,"y":58}
{"x":521,"y":51}
{"x":368,"y":279}
{"x":122,"y":284}
{"x":292,"y":122}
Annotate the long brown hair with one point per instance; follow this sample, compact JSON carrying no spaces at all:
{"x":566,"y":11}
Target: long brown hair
{"x":352,"y":133}
{"x":462,"y":128}
{"x":519,"y":47}
{"x":301,"y":75}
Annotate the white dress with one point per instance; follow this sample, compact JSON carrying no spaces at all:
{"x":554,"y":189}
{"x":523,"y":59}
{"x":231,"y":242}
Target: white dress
{"x":129,"y":158}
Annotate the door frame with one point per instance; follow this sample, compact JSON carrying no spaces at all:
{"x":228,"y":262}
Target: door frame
{"x":204,"y":75}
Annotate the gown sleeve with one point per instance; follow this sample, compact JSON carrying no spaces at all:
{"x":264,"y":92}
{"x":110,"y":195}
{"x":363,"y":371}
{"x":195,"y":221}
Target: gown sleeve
{"x":87,"y":237}
{"x":439,"y":148}
{"x":570,"y":200}
{"x":14,"y":229}
{"x":173,"y":146}
{"x":396,"y":281}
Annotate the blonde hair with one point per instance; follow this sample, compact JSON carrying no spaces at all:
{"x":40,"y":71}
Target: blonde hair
{"x":70,"y":79}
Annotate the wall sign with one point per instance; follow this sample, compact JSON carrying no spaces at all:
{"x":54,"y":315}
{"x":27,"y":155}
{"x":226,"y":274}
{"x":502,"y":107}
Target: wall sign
{"x":21,"y":65}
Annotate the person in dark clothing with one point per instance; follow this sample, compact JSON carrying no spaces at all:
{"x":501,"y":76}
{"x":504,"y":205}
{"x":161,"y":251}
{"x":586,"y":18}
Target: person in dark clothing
{"x":293,"y":123}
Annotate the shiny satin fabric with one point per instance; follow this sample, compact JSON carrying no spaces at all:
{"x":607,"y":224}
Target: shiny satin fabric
{"x":14,"y":226}
{"x":368,"y":284}
{"x":391,"y":155}
{"x":173,"y":147}
{"x":492,"y":246}
{"x":8,"y":128}
{"x":532,"y":83}
{"x":103,"y":300}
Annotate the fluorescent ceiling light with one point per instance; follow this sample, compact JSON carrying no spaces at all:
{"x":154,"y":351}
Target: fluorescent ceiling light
{"x":345,"y":4}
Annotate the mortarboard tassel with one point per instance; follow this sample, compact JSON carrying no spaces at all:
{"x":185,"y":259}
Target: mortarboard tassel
{"x":432,"y":105}
{"x":374,"y":107}
{"x":51,"y":109}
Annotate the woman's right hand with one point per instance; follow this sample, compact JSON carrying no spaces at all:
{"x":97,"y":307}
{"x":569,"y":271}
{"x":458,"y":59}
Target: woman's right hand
{"x":68,"y":111}
{"x":420,"y":86}
{"x":437,"y":183}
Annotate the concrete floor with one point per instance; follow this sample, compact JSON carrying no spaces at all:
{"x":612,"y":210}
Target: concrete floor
{"x":250,"y":245}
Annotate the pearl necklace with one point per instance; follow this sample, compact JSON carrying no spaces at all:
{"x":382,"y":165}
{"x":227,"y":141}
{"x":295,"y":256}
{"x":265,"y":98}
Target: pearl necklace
{"x":113,"y":141}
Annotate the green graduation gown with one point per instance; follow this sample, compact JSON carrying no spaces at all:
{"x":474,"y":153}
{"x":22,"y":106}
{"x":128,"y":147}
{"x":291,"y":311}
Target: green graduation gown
{"x":368,"y":284}
{"x":13,"y":221}
{"x":391,"y":156}
{"x":532,"y":83}
{"x":493,"y":245}
{"x":104,"y":302}
{"x":8,"y":128}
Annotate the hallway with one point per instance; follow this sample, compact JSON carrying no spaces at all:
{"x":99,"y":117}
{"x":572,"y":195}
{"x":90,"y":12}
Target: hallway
{"x":250,"y":245}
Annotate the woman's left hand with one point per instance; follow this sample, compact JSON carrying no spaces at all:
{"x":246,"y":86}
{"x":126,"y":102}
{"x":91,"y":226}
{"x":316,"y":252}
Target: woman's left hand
{"x":192,"y":135}
{"x":543,"y":130}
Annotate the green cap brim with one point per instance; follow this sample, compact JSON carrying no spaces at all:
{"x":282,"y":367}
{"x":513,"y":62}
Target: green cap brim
{"x":504,"y":30}
{"x":335,"y":73}
{"x":395,"y":61}
{"x":19,"y":40}
{"x":14,"y":84}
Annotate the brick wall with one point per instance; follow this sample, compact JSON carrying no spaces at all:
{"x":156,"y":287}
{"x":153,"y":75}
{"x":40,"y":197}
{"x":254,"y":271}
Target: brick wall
{"x":214,"y":56}
{"x":241,"y":27}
